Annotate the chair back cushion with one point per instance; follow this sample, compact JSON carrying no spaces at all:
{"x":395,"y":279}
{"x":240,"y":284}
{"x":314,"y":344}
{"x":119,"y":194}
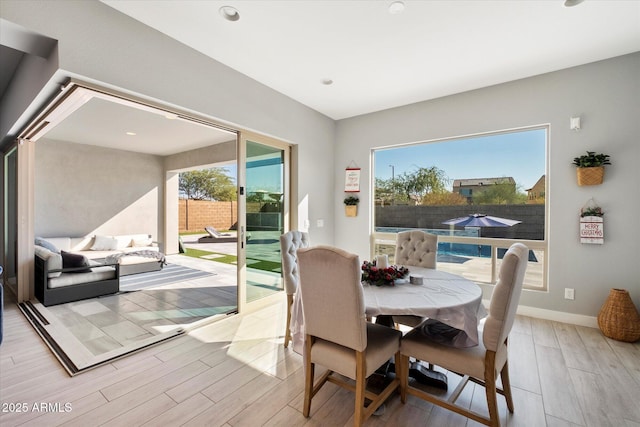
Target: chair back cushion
{"x":332,"y":296}
{"x":416,"y":248}
{"x":290,"y":242}
{"x":505,"y":297}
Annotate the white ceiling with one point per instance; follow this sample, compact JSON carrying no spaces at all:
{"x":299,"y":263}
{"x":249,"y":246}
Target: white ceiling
{"x":105,"y":123}
{"x":379,"y":60}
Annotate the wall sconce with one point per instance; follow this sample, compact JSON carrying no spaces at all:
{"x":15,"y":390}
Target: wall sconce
{"x":574,"y":123}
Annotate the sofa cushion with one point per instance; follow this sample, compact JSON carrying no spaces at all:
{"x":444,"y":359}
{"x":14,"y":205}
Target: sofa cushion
{"x":97,"y":254}
{"x":104,"y":243}
{"x":39,"y":241}
{"x":124,"y":241}
{"x":141,"y":242}
{"x":62,"y":243}
{"x":97,"y":274}
{"x":71,"y":260}
{"x":53,"y":261}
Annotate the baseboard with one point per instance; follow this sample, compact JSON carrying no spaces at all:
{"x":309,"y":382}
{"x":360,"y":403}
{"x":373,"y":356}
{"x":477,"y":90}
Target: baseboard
{"x":557,"y":316}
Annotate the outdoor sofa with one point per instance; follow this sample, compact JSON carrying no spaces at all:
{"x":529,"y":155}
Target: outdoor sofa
{"x":72,"y":269}
{"x":55,"y":284}
{"x":136,"y":253}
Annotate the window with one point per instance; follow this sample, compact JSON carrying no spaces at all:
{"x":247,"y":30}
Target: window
{"x":479,"y":194}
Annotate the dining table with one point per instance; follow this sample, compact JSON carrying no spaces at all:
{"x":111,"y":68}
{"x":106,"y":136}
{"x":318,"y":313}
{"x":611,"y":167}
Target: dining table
{"x":452,"y":304}
{"x":440,"y":296}
{"x":446,"y":297}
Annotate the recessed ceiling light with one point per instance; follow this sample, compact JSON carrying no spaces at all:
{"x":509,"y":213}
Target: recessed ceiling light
{"x":229,"y":13}
{"x":571,"y":3}
{"x":170,"y":116}
{"x":327,"y":82}
{"x":396,"y":7}
{"x":131,"y":133}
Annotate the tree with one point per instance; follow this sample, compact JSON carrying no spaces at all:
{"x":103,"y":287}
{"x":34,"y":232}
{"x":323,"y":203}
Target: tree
{"x":423,"y":181}
{"x":207,"y":184}
{"x":384,"y":191}
{"x":445,"y":199}
{"x":499,"y":194}
{"x":411,"y":186}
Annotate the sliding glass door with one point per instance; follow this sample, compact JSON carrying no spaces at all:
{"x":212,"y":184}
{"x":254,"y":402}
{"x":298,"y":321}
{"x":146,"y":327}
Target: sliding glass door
{"x":10,"y":263}
{"x":264,"y":218}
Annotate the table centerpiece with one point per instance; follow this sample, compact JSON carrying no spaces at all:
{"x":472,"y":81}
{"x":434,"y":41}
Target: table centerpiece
{"x":380,"y":276}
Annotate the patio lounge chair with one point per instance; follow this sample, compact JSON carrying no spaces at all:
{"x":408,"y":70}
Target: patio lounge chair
{"x":214,"y":236}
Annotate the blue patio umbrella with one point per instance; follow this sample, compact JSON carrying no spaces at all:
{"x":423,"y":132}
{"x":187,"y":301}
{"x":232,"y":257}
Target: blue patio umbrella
{"x":481,"y":220}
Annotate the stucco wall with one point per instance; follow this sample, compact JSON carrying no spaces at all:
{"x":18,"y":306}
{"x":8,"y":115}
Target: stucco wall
{"x":83,"y":190}
{"x":605,"y":94}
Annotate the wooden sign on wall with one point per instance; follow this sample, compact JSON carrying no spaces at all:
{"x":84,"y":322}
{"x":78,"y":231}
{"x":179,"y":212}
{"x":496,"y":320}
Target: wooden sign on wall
{"x":352,"y":180}
{"x":592,"y":230}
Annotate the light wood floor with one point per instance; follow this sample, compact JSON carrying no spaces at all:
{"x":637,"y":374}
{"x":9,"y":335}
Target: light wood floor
{"x":237,"y":373}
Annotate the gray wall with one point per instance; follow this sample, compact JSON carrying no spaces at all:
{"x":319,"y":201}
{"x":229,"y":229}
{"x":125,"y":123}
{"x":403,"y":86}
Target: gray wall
{"x":605,"y":94}
{"x":83,"y":190}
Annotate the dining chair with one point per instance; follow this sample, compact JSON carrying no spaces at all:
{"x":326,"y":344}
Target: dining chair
{"x":483,"y":363}
{"x":290,"y":242}
{"x":415,"y":248}
{"x":337,"y":335}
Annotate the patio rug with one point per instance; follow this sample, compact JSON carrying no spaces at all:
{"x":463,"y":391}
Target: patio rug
{"x":171,"y":273}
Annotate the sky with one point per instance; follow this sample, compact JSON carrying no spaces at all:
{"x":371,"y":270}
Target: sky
{"x":520,"y":155}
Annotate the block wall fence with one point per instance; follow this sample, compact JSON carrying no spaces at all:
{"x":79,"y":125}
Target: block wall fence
{"x":204,"y":213}
{"x":195,"y":215}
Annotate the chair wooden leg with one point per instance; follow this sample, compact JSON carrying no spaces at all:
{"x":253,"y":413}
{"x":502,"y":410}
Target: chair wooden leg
{"x":402,"y":372}
{"x":309,"y":369}
{"x":361,"y":383}
{"x":490,"y":388}
{"x":287,"y":331}
{"x":506,"y":386}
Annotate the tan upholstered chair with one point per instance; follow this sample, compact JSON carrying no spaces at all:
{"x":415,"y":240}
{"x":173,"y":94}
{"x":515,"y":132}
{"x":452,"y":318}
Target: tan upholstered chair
{"x":484,"y":362}
{"x":415,"y":248}
{"x":338,"y":336}
{"x":290,"y":242}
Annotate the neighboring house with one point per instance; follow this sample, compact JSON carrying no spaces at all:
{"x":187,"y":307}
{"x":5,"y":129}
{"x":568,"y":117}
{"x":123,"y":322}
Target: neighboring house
{"x":535,"y":194}
{"x":469,"y":187}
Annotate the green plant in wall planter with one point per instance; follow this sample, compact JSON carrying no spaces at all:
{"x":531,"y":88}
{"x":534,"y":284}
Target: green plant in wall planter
{"x":590,"y":168}
{"x":351,"y":205}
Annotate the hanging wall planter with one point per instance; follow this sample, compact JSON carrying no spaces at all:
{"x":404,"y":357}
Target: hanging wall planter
{"x":590,"y":169}
{"x":351,"y":206}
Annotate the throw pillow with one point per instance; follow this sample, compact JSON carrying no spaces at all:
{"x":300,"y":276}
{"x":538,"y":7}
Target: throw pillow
{"x":104,"y":243}
{"x":142,"y":242}
{"x":70,"y":260}
{"x":39,"y":241}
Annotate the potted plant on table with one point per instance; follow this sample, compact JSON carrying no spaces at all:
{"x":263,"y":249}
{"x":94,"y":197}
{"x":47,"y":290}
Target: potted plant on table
{"x":590,"y":168}
{"x":351,"y":205}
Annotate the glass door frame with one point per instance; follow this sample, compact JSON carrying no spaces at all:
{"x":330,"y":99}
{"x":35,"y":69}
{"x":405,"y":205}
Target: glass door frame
{"x":243,"y":138}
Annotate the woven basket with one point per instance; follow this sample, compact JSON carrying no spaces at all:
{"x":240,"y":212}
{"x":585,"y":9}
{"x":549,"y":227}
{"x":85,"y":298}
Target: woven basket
{"x":590,"y":176}
{"x":619,"y":318}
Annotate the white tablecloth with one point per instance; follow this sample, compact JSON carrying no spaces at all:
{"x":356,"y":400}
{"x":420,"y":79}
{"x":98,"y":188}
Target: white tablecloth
{"x":446,"y":297}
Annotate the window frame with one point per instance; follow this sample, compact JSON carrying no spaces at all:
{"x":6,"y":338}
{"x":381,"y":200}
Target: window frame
{"x":379,"y":238}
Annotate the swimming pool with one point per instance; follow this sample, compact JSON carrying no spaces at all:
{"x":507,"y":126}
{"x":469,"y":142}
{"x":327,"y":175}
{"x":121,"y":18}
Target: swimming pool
{"x":458,"y":249}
